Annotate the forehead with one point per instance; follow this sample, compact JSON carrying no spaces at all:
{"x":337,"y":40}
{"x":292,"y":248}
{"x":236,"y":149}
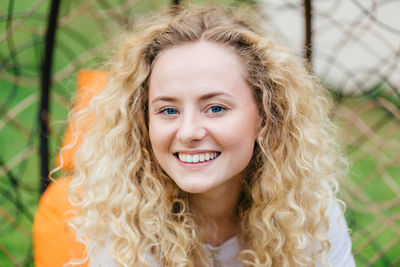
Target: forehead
{"x":197,"y":50}
{"x":201,"y":65}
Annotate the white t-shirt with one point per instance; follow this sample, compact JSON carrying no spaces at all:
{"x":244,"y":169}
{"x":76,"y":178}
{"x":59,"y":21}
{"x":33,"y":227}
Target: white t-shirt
{"x":225,"y":255}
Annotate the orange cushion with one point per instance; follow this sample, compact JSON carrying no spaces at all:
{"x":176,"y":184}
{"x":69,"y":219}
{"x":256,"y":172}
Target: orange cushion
{"x":89,"y":82}
{"x":54,"y":242}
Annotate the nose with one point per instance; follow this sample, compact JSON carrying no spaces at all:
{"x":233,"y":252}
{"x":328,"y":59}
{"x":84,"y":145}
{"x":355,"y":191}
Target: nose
{"x":191,"y":129}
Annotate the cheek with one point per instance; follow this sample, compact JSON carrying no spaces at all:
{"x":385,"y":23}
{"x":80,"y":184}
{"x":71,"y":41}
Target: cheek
{"x":156,"y":137}
{"x":161,"y":136}
{"x":237,"y":143}
{"x":237,"y":130}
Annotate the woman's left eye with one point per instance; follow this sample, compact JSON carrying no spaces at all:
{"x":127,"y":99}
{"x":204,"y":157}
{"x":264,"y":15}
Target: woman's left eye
{"x":216,"y":109}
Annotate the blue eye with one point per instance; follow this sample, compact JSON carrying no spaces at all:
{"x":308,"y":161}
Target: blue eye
{"x":216,"y":109}
{"x":169,"y":111}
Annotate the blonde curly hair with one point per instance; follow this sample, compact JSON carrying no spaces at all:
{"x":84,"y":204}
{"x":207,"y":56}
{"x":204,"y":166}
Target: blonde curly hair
{"x":130,"y":205}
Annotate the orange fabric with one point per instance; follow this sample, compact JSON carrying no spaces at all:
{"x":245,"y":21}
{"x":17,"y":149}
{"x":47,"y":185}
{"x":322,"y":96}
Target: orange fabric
{"x":54,"y":241}
{"x":89,"y":82}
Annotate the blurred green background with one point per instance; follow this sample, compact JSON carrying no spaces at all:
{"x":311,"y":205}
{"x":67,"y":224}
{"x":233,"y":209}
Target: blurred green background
{"x":369,"y":118}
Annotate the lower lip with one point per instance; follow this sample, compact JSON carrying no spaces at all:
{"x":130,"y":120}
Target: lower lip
{"x":198,"y":165}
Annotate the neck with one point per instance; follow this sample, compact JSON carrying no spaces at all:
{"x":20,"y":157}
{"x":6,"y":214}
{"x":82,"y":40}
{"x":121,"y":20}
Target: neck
{"x":217,"y":213}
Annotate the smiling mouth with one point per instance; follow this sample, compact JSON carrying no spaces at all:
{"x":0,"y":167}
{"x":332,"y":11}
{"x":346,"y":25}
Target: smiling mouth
{"x":197,"y":158}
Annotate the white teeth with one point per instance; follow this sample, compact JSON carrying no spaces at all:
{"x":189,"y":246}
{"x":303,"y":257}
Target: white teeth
{"x":196,"y":157}
{"x":182,"y":157}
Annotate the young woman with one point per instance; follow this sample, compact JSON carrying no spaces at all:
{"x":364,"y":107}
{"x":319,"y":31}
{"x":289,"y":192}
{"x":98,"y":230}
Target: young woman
{"x":212,"y":147}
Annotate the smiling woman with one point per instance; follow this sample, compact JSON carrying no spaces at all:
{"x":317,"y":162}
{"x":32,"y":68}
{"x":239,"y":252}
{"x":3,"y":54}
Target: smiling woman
{"x":215,"y":116}
{"x":212,"y":147}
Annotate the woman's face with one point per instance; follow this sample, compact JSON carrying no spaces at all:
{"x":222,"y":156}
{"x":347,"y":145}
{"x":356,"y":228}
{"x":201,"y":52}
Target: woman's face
{"x":203,"y":118}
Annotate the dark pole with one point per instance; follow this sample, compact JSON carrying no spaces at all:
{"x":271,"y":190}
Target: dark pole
{"x":175,"y":4}
{"x":308,"y":31}
{"x":45,"y":94}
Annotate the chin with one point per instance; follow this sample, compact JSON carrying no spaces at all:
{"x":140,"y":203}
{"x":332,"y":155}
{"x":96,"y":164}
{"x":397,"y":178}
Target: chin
{"x":194,"y":188}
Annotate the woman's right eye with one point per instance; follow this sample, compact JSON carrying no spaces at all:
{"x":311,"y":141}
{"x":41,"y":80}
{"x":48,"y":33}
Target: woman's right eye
{"x":169,"y":111}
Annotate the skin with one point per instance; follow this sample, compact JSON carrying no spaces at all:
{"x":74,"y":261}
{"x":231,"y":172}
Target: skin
{"x":199,"y":102}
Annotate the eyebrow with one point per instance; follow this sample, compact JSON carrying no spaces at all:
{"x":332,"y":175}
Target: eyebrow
{"x":214,"y":94}
{"x":164,"y":98}
{"x":202,"y":98}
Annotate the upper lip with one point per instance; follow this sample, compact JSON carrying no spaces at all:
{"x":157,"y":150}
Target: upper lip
{"x":193,"y":152}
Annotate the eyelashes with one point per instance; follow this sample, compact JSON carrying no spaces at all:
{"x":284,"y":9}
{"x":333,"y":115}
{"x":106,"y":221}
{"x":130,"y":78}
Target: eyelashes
{"x":215,"y":109}
{"x":212,"y":109}
{"x":168,"y":111}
